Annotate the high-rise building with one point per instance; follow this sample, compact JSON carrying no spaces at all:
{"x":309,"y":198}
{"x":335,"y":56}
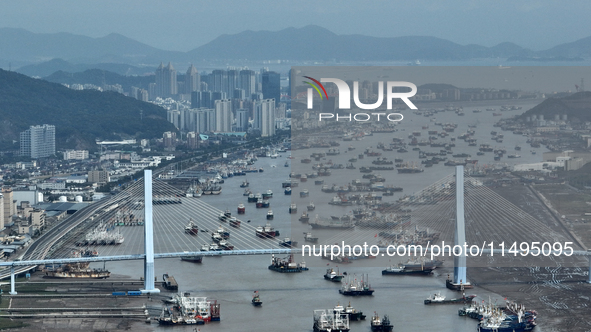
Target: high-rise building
{"x":248,"y":82}
{"x":218,"y":81}
{"x":1,"y":211}
{"x":192,"y":140}
{"x":98,"y":177}
{"x":169,"y":139}
{"x":143,"y":95}
{"x":218,"y":95}
{"x":242,"y":119}
{"x":205,"y":120}
{"x":264,"y":117}
{"x":9,"y":206}
{"x":192,"y":80}
{"x":223,"y":115}
{"x":38,"y":141}
{"x":271,"y":86}
{"x":239,"y":94}
{"x":206,"y":99}
{"x":75,"y":154}
{"x":233,"y":80}
{"x":174,"y":117}
{"x":166,"y":84}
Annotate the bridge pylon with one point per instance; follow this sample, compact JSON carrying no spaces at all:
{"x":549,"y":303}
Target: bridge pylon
{"x":459,"y":280}
{"x":148,"y":236}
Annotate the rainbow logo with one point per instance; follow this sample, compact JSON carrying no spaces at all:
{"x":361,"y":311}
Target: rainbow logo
{"x":316,"y":87}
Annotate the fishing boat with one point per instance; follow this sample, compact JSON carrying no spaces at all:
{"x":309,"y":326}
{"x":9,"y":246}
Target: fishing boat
{"x":193,"y":259}
{"x":356,"y":287}
{"x":304,"y":193}
{"x":293,"y":209}
{"x":309,"y":238}
{"x":241,"y":208}
{"x":234,"y":222}
{"x":225,"y":216}
{"x":266,"y":231}
{"x":333,"y":275}
{"x":349,"y":311}
{"x":437,"y":298}
{"x":244,"y":184}
{"x":80,"y":270}
{"x":325,"y":321}
{"x":256,"y":299}
{"x":288,"y":243}
{"x":268,"y":194}
{"x":340,"y":223}
{"x":304,"y":217}
{"x":286,"y":266}
{"x":191,"y":228}
{"x":402,"y":270}
{"x":270,"y":214}
{"x":287,"y":191}
{"x":382,"y":325}
{"x":311,"y":206}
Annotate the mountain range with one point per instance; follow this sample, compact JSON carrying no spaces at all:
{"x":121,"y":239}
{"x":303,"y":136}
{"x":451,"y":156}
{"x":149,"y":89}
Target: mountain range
{"x":21,"y":47}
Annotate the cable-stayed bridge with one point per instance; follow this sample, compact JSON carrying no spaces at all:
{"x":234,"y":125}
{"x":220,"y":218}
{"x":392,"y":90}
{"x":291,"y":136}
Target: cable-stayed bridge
{"x":161,"y":213}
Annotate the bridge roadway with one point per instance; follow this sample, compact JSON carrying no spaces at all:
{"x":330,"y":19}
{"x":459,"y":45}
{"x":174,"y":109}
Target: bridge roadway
{"x":38,"y":250}
{"x":233,"y":253}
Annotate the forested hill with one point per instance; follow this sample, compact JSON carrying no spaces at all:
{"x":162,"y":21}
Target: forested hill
{"x":80,"y":117}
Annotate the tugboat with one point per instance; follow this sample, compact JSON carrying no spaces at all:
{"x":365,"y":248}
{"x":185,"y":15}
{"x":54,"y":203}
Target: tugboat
{"x":244,"y":184}
{"x":287,"y":191}
{"x":286,"y":266}
{"x":293,"y":209}
{"x":355,"y":288}
{"x":353,"y":314}
{"x":333,"y":276}
{"x":382,"y":325}
{"x":437,"y":298}
{"x":304,"y":217}
{"x":241,"y":208}
{"x":191,"y":228}
{"x":270,"y":214}
{"x":256,"y":300}
{"x":311,"y":206}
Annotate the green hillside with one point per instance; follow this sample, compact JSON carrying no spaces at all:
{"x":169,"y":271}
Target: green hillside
{"x":80,"y":117}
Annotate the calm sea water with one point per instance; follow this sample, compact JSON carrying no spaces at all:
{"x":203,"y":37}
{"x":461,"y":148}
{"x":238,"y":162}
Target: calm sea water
{"x":289,"y":299}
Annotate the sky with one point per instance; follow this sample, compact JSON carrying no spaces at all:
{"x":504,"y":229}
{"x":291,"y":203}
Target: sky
{"x":182,"y":25}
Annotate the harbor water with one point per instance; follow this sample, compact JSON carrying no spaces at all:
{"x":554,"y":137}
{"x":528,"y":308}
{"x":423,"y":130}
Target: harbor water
{"x":290,"y":299}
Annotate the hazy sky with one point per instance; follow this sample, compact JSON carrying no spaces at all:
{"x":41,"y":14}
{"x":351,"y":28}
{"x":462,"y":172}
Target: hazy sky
{"x":185,"y":24}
